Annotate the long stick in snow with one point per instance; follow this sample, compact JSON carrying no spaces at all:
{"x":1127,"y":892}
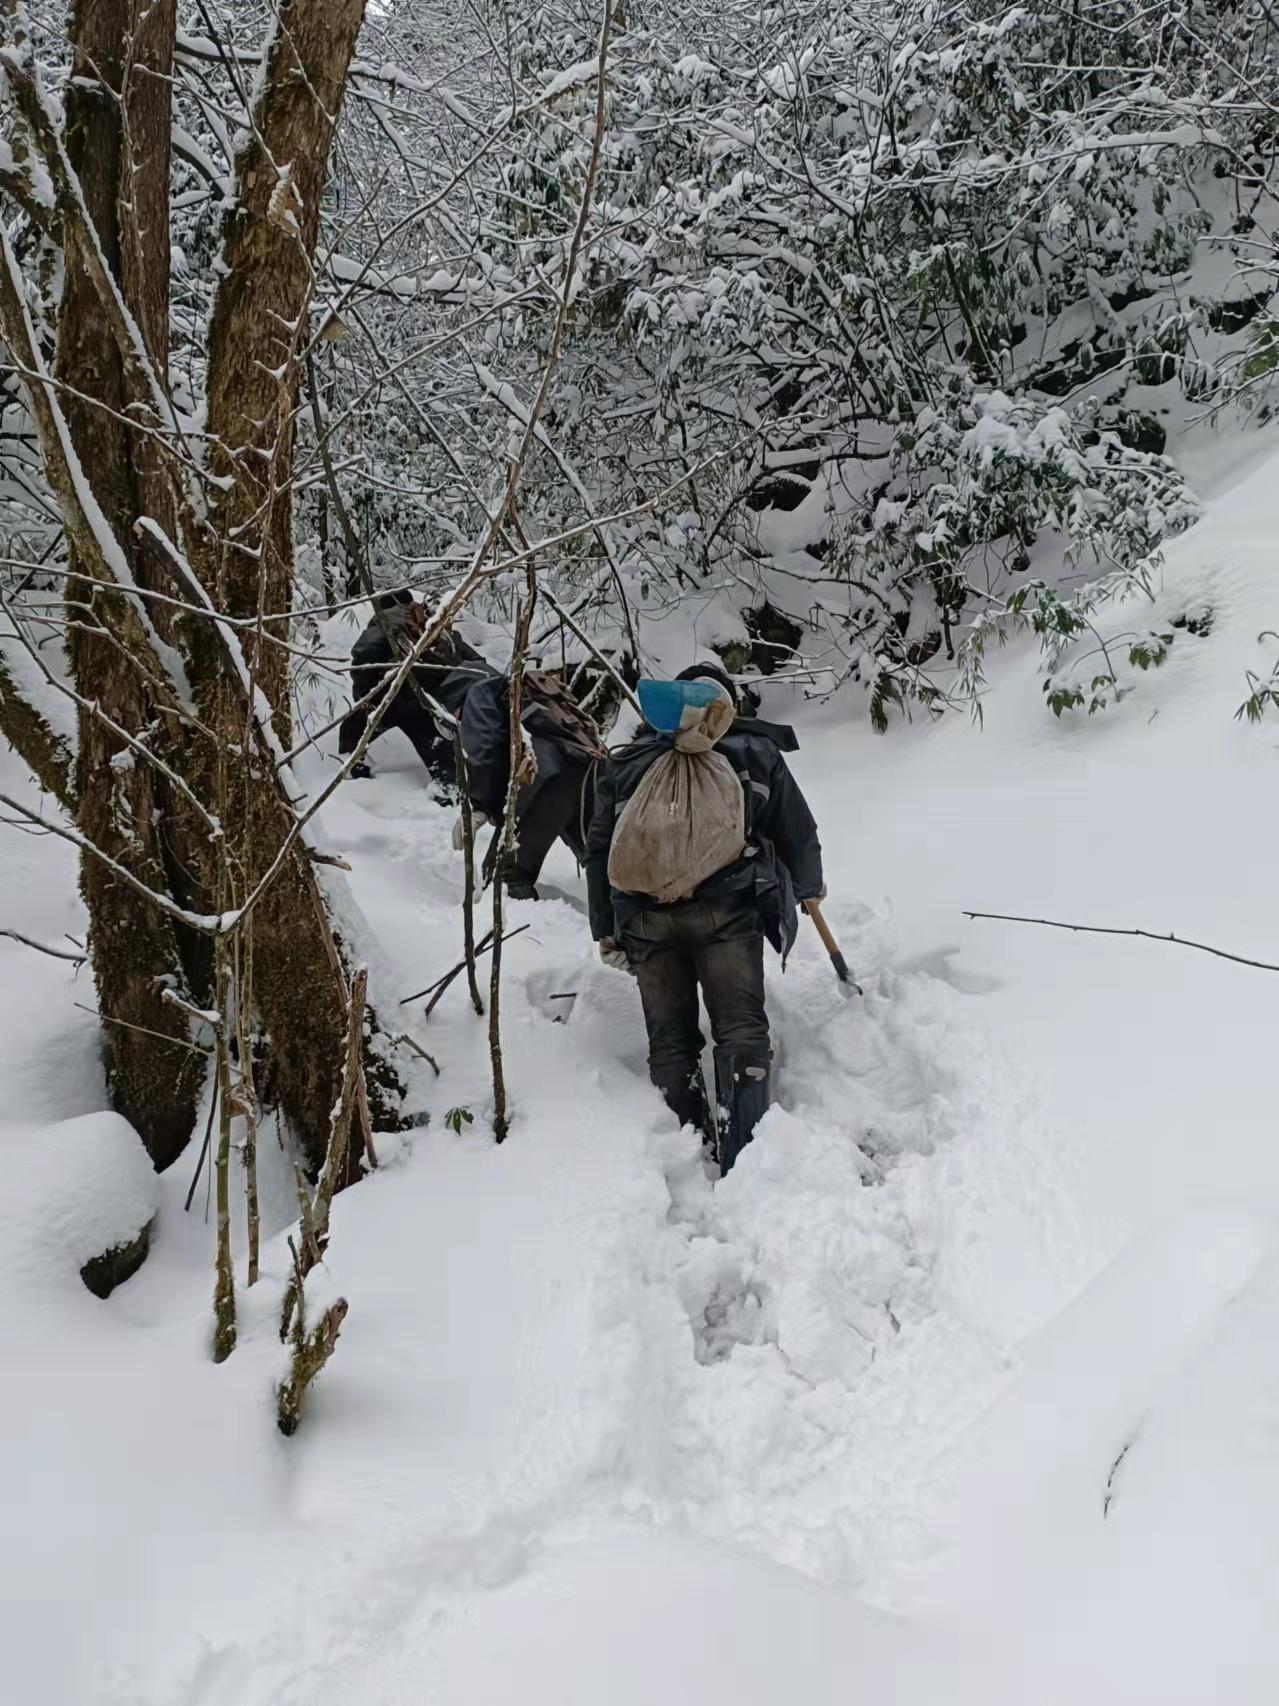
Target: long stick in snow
{"x":1110,"y":930}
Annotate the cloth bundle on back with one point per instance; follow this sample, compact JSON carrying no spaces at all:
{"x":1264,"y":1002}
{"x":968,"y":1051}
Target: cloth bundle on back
{"x":700,"y":845}
{"x":687,"y":818}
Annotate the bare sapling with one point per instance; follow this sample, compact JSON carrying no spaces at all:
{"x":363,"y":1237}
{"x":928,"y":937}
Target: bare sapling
{"x":310,"y":1350}
{"x":523,"y":767}
{"x":316,"y":1217}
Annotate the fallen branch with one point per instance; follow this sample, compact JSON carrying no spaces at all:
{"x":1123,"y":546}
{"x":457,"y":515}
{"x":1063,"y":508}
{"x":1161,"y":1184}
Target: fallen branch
{"x":441,"y":983}
{"x":318,"y":858}
{"x":54,"y":953}
{"x":1109,"y":930}
{"x":408,"y":1042}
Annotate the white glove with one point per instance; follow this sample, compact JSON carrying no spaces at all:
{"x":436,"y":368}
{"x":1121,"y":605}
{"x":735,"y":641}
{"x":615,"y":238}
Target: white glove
{"x":614,"y":956}
{"x":478,"y":820}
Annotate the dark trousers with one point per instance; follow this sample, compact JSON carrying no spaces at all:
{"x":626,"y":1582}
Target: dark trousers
{"x":549,"y":809}
{"x":716,"y":947}
{"x":432,"y":745}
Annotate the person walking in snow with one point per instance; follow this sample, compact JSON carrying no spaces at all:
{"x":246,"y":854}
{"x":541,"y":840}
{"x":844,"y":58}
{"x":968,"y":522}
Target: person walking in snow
{"x":446,"y":672}
{"x":700,"y":847}
{"x":475,"y":698}
{"x":556,"y":804}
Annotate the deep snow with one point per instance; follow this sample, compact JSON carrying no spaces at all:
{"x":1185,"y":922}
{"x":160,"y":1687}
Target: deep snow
{"x":961,"y":1388}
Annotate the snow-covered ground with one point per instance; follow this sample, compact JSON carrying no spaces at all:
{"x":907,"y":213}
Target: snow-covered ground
{"x":963,"y":1388}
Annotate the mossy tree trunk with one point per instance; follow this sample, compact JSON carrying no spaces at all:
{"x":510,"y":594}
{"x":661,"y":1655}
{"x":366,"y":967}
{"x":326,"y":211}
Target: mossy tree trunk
{"x":259,"y":331}
{"x":257,"y":342}
{"x":118,"y":130}
{"x":150,"y":813}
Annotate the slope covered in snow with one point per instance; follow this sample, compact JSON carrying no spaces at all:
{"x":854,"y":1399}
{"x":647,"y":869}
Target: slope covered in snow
{"x":959,"y":1389}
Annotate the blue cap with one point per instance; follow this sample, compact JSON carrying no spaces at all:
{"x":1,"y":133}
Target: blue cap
{"x":665,"y":702}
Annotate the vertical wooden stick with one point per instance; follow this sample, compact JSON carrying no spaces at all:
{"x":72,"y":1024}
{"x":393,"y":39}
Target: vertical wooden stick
{"x":523,"y":769}
{"x":501,"y":1124}
{"x":248,"y":1102}
{"x":224,"y":1273}
{"x":468,"y":851}
{"x":251,"y":1187}
{"x":339,"y":1134}
{"x":315,"y":1216}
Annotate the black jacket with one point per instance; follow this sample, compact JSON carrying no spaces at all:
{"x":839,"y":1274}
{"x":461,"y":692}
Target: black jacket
{"x":562,"y":744}
{"x":447,"y":671}
{"x":782,"y":863}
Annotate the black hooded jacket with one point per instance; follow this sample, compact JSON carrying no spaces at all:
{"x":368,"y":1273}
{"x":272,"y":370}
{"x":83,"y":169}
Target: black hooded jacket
{"x":564,"y":743}
{"x":782,"y":863}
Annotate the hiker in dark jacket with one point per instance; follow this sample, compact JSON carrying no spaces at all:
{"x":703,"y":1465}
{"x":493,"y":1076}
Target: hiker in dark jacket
{"x":713,"y":940}
{"x":445,"y":673}
{"x":556,"y":804}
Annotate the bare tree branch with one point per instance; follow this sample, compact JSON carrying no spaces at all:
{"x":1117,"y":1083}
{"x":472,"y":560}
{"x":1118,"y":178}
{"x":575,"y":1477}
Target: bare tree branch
{"x":1106,"y":930}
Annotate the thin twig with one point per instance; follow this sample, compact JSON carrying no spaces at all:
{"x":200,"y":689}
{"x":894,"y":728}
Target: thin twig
{"x":144,"y":1030}
{"x":1107,"y":930}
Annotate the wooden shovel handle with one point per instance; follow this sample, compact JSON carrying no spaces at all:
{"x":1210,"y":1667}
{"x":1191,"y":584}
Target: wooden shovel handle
{"x":814,"y":911}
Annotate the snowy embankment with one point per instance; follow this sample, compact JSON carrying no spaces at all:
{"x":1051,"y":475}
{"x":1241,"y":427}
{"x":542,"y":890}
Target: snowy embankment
{"x":961,"y":1388}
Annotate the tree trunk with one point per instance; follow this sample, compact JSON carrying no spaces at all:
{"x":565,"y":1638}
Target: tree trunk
{"x":258,"y":335}
{"x":155,"y":822}
{"x":260,"y":320}
{"x":136,"y":955}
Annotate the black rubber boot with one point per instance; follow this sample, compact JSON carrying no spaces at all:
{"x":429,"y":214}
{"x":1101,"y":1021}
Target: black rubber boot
{"x":742,"y":1081}
{"x":690,"y":1104}
{"x":517,"y":882}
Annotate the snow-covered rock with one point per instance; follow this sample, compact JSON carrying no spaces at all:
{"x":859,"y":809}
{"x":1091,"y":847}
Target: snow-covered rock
{"x":74,"y":1192}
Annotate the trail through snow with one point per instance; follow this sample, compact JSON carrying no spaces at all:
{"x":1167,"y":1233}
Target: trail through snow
{"x":960,"y":1388}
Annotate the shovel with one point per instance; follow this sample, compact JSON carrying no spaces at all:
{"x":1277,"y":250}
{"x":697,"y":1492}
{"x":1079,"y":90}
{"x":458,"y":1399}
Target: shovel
{"x":814,"y":911}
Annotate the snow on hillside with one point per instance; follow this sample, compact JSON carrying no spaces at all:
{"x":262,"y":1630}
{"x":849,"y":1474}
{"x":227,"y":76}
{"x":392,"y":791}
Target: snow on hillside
{"x":961,"y":1388}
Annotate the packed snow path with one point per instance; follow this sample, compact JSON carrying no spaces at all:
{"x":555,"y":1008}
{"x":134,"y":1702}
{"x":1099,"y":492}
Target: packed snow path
{"x":962,"y":1388}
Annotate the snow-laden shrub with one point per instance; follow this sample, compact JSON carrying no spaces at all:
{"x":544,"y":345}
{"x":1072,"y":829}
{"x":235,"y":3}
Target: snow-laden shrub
{"x":894,"y":267}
